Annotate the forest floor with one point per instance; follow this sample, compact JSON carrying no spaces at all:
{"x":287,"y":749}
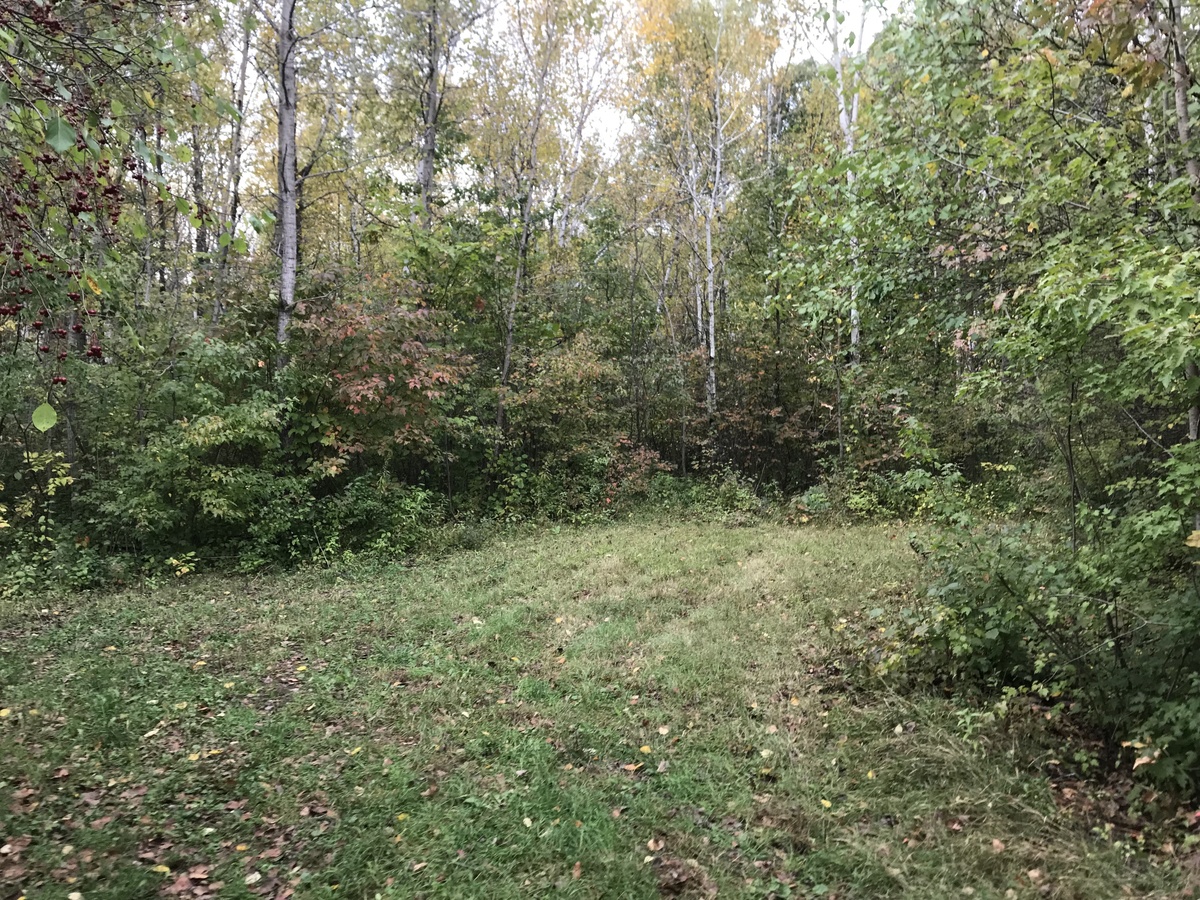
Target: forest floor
{"x":626,"y":711}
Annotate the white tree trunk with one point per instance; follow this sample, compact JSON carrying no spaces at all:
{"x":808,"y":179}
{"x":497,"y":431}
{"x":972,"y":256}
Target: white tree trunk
{"x":289,"y":234}
{"x":1183,"y":125}
{"x":431,"y":107}
{"x":232,"y":207}
{"x":848,"y":121}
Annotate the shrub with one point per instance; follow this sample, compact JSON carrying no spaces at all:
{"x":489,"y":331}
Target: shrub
{"x":1106,"y":626}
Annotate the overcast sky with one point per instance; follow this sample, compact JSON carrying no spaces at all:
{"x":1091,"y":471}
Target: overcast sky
{"x":609,"y":123}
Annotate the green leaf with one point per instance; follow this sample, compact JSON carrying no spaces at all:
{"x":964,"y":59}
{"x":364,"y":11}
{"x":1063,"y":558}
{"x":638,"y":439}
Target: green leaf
{"x":59,"y":134}
{"x":4,"y":92}
{"x":44,"y":417}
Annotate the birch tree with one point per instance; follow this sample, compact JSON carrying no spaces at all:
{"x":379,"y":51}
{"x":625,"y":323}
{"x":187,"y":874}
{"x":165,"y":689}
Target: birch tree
{"x":704,"y":66}
{"x":288,"y":189}
{"x":848,"y":95}
{"x":520,"y":131}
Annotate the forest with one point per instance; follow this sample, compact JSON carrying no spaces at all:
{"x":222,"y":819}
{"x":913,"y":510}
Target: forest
{"x":292,"y":284}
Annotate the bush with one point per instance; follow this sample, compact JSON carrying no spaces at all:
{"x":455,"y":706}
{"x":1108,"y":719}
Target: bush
{"x":381,"y":516}
{"x":1106,"y":627}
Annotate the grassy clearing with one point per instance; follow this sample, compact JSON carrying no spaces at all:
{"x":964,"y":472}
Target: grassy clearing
{"x":614,"y":712}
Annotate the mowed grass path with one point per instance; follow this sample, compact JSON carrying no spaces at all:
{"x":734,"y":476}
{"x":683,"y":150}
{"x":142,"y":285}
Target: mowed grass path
{"x":628,"y":711}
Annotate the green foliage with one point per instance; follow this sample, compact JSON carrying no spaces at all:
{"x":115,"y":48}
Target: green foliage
{"x":1105,"y":629}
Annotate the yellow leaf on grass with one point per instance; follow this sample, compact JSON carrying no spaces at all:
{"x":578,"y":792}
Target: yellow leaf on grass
{"x":301,"y":668}
{"x":645,"y":748}
{"x":241,"y":848}
{"x":182,"y":704}
{"x":1193,"y":539}
{"x":163,"y":869}
{"x":826,"y":804}
{"x":356,"y":751}
{"x":401,"y":817}
{"x":193,"y":756}
{"x":871,"y":773}
{"x":5,"y":713}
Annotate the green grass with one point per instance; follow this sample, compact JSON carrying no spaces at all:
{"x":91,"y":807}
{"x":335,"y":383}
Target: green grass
{"x":620,"y":712}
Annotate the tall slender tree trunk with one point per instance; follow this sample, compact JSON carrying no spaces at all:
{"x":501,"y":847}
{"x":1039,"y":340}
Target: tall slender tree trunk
{"x":1183,"y":82}
{"x":198,"y":182}
{"x":160,"y":203}
{"x":710,"y":217}
{"x":232,"y":211}
{"x":510,"y":314}
{"x":1183,"y":125}
{"x":847,"y":121}
{"x":288,"y":215}
{"x":431,"y":106}
{"x":710,"y":287}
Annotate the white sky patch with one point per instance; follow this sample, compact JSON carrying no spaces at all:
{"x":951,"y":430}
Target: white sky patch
{"x":807,"y":38}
